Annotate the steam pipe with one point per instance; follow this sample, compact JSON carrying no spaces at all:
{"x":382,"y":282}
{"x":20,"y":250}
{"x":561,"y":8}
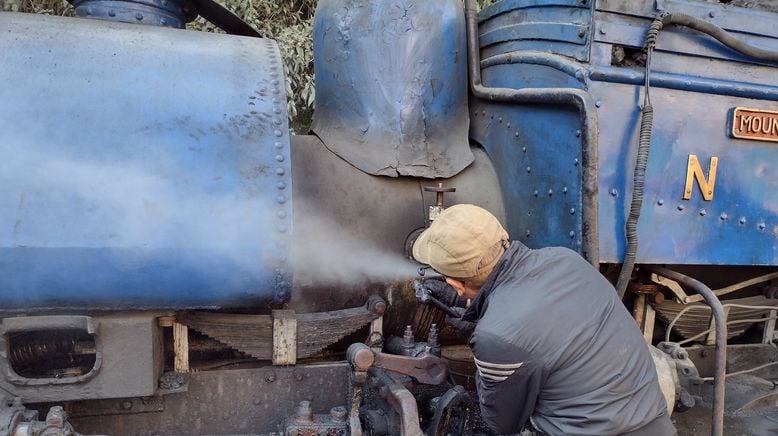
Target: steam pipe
{"x":717,"y":420}
{"x":721,"y":35}
{"x":577,"y":98}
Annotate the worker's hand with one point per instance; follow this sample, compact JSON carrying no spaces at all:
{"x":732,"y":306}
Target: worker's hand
{"x":464,"y":328}
{"x":444,"y":292}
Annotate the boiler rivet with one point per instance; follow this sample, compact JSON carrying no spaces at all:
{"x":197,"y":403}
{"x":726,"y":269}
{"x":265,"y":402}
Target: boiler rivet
{"x":550,"y":192}
{"x":703,"y":212}
{"x":598,"y":103}
{"x":527,"y":233}
{"x":279,"y":145}
{"x":524,"y":149}
{"x":723,"y":216}
{"x":536,"y":193}
{"x":483,"y":112}
{"x":279,"y":158}
{"x":742,"y":220}
{"x":577,"y":133}
{"x":275,"y":100}
{"x":139,"y":16}
{"x":680,"y":207}
{"x":572,"y":234}
{"x":281,"y":214}
{"x":282,"y":229}
{"x":509,"y":125}
{"x":761,"y":226}
{"x":575,"y":162}
{"x":614,"y":192}
{"x":660,"y":202}
{"x":499,"y":119}
{"x":564,"y":190}
{"x":281,"y":199}
{"x":111,"y":13}
{"x":280,"y":171}
{"x":572,"y":211}
{"x":516,"y":133}
{"x":277,"y":132}
{"x":529,"y":169}
{"x":281,"y":185}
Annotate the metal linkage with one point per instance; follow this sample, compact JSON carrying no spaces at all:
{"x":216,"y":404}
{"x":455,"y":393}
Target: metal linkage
{"x":426,"y":368}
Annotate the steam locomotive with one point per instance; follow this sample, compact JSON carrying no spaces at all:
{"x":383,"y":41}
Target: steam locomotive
{"x":173,"y":261}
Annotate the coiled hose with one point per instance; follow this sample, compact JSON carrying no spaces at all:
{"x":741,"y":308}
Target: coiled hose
{"x":646,"y":123}
{"x":641,"y":162}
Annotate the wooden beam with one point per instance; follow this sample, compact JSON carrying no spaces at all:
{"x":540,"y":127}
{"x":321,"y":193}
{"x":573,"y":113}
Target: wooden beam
{"x":181,"y":347}
{"x":284,"y":337}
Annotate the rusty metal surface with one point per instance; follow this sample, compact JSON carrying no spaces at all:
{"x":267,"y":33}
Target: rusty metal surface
{"x":405,"y":404}
{"x":245,"y":401}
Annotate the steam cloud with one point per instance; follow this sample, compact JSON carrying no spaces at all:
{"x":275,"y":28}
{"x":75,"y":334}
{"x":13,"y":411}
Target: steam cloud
{"x":62,"y":200}
{"x":327,"y":253}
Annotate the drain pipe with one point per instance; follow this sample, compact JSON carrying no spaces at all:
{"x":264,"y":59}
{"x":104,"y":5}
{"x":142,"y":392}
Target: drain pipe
{"x":717,"y":422}
{"x":577,"y":98}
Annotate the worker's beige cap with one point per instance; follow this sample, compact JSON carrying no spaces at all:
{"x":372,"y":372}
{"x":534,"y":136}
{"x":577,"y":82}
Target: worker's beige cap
{"x":458,"y":239}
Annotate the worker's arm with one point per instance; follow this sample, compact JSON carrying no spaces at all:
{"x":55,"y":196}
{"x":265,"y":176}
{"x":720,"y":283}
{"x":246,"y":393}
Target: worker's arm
{"x":509,"y":381}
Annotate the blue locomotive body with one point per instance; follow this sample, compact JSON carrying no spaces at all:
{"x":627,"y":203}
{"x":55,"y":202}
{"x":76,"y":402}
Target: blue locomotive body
{"x":137,"y":178}
{"x":696,"y":85}
{"x":154,"y":203}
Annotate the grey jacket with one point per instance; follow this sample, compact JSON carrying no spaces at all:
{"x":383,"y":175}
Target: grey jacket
{"x":555,"y":345}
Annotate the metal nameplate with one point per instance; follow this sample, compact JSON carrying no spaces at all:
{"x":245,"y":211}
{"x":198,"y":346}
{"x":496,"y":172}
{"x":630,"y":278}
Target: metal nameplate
{"x":756,"y":124}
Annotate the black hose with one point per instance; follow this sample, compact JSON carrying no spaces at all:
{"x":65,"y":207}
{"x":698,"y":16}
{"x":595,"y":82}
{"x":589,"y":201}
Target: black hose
{"x":641,"y":162}
{"x":646,"y":124}
{"x":717,"y":423}
{"x":639,"y":177}
{"x":721,"y":35}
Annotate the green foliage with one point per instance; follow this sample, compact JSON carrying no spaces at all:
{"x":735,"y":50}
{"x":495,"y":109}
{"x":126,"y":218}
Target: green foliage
{"x":47,"y":7}
{"x":290,"y":22}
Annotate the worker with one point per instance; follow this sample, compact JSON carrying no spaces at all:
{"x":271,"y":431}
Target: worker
{"x":556,"y":351}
